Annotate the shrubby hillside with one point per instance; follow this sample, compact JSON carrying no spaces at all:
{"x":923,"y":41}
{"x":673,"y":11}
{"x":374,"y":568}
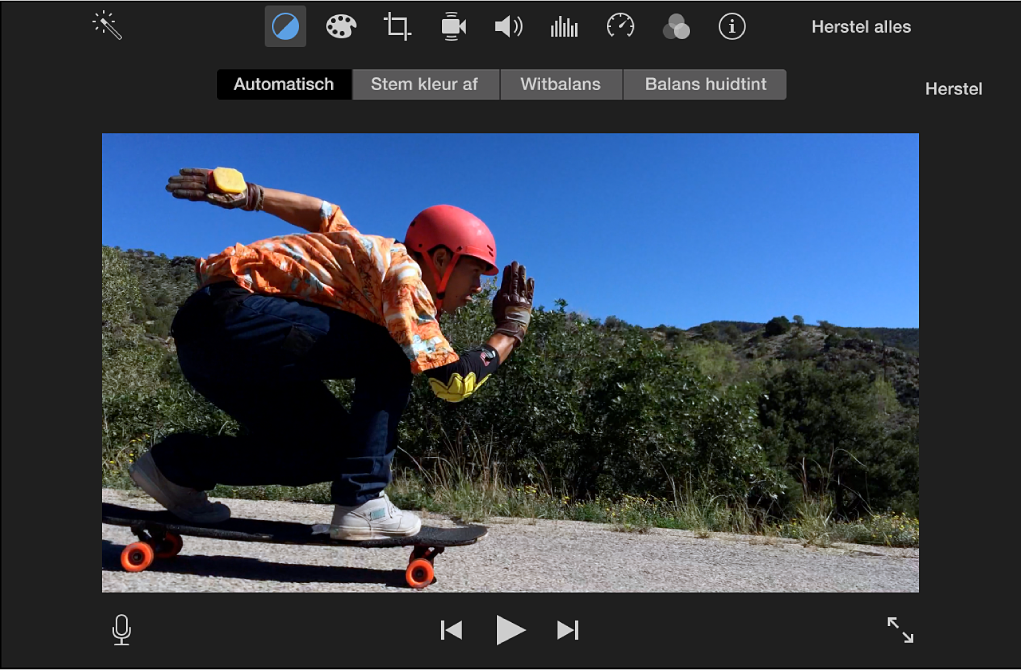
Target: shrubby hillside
{"x":761,"y":415}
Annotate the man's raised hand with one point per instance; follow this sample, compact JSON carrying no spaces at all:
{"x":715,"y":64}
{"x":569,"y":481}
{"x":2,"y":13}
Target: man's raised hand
{"x":197,"y":184}
{"x":512,"y":306}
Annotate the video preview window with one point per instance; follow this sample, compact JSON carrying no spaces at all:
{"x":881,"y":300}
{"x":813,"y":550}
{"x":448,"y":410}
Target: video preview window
{"x":329,"y":359}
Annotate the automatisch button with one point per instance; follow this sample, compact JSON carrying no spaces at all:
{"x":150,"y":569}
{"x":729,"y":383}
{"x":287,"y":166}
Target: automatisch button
{"x":560,"y":85}
{"x":283,"y":84}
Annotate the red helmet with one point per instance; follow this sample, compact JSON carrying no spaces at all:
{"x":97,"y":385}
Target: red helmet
{"x":460,"y":231}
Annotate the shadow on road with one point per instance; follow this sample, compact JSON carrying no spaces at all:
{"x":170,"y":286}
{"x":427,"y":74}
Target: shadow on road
{"x":255,"y":569}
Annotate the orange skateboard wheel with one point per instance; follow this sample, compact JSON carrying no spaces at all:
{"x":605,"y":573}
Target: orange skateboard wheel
{"x":419,"y":573}
{"x":175,"y":542}
{"x":137,"y":556}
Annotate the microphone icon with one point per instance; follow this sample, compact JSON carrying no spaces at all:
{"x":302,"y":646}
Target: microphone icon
{"x":121,"y":636}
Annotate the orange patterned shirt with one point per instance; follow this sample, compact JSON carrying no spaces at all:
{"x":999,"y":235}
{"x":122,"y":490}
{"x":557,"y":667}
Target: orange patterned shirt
{"x":367,"y":275}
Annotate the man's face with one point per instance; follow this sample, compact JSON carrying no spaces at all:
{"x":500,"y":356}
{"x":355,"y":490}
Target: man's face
{"x":465,"y":282}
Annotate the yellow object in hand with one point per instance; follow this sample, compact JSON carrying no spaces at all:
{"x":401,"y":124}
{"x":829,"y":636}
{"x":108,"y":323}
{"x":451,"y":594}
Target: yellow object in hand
{"x":228,"y":180}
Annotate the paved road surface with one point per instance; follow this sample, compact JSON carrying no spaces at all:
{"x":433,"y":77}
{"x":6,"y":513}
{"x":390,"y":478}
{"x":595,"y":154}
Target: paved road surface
{"x":517,"y":555}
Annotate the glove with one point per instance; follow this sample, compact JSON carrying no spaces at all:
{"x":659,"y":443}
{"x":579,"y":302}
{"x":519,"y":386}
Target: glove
{"x":197,"y":184}
{"x":512,"y":306}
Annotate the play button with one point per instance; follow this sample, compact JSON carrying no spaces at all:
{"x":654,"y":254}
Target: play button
{"x":505,"y":630}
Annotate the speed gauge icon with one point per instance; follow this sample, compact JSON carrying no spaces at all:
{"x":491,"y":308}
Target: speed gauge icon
{"x":620,"y":25}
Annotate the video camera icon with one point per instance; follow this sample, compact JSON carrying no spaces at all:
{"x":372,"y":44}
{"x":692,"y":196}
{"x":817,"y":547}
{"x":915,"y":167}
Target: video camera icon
{"x":452,"y":27}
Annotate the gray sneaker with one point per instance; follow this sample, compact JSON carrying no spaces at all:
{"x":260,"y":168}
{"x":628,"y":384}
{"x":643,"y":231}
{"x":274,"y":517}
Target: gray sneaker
{"x":377,"y":519}
{"x":189,"y":504}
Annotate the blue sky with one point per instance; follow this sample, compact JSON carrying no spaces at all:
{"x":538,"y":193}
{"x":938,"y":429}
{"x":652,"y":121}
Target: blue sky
{"x":674,"y":229}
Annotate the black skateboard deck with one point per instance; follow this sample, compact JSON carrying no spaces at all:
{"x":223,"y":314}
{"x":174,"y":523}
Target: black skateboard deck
{"x":159,"y":534}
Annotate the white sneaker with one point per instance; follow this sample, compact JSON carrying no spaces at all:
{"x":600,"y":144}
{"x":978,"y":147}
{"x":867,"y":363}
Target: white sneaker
{"x":189,"y":504}
{"x":377,"y":519}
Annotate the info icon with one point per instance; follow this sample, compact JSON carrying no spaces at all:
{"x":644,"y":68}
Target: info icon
{"x":732,"y":26}
{"x":285,"y":26}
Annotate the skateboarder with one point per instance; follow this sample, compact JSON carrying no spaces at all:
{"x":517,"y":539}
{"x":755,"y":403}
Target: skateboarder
{"x":274,"y":318}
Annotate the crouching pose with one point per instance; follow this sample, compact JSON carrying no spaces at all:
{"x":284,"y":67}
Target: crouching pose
{"x":272,"y":319}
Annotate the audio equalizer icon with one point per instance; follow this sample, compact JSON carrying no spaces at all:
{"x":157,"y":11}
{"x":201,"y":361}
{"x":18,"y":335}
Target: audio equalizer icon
{"x":563,"y":28}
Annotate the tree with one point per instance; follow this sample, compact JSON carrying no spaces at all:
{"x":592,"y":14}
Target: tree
{"x":778,"y":325}
{"x":831,"y":432}
{"x":732,"y":333}
{"x":800,"y":320}
{"x":707,"y":331}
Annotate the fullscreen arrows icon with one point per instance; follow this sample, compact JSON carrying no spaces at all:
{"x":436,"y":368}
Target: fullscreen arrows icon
{"x":909,"y":638}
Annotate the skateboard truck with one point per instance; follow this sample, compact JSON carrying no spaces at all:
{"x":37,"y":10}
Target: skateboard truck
{"x":153,"y":542}
{"x":420,"y":573}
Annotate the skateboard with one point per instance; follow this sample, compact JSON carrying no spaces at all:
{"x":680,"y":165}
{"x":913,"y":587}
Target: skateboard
{"x":159,"y":536}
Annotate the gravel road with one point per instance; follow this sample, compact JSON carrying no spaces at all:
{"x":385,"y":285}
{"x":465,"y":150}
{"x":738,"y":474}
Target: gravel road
{"x":516,"y":555}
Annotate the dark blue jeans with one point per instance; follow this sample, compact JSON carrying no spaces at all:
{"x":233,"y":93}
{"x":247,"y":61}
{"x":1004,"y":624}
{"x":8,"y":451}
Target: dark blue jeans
{"x":262,"y":359}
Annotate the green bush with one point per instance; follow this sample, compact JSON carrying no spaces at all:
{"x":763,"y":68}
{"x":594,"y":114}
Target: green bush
{"x":589,"y":411}
{"x":797,"y":348}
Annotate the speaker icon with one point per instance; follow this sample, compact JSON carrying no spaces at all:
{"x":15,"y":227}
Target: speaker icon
{"x":506,"y":27}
